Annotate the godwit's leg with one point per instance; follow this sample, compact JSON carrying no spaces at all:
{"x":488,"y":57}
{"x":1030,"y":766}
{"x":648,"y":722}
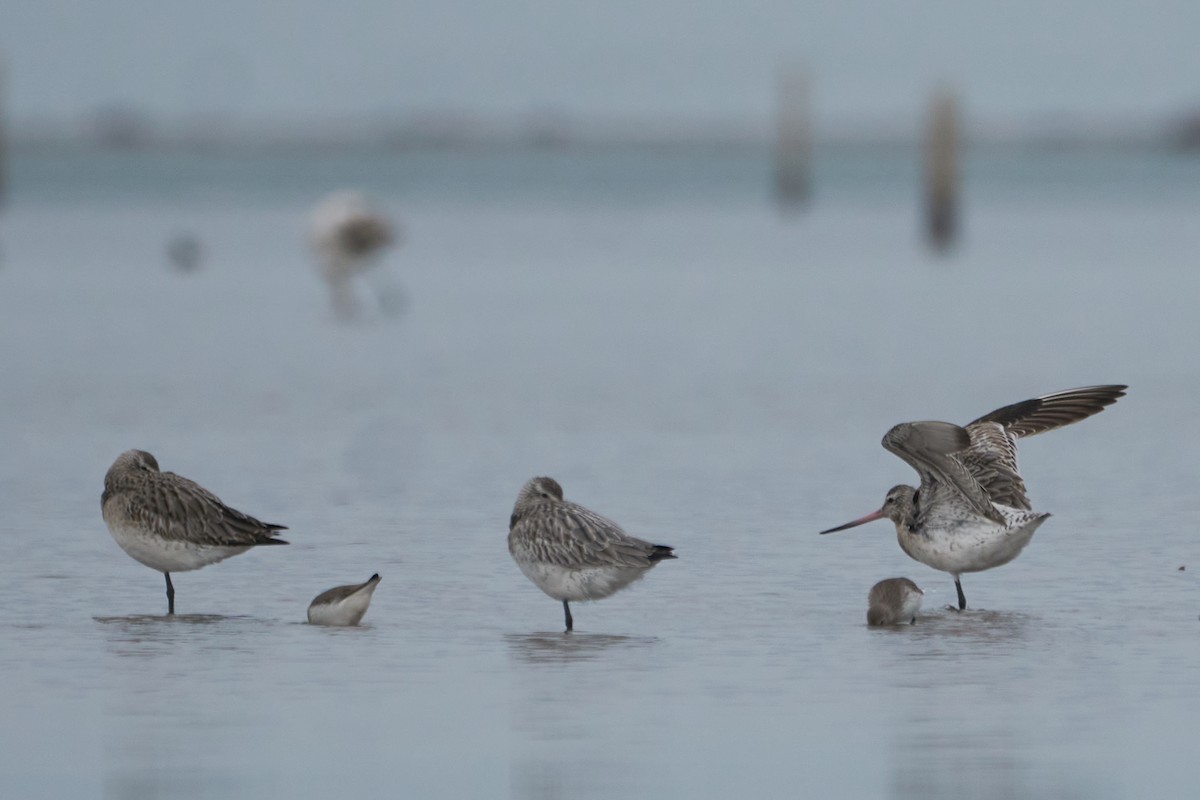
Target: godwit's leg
{"x":170,"y":594}
{"x":962,"y":598}
{"x":567,"y":612}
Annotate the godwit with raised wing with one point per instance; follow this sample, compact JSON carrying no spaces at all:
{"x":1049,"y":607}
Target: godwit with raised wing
{"x":571,"y":553}
{"x":172,"y":524}
{"x":971,"y":512}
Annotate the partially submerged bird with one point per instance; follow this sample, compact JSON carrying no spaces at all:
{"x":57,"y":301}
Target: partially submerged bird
{"x":572,"y":553}
{"x":971,"y":511}
{"x":894,"y":601}
{"x":343,"y":605}
{"x":347,"y":237}
{"x":172,"y":524}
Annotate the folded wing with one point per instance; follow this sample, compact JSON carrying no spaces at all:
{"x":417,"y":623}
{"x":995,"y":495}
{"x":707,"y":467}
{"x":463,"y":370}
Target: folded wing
{"x":181,"y":509}
{"x":569,"y":535}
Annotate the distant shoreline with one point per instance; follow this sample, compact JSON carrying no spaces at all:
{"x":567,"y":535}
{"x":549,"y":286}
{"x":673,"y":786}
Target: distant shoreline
{"x":126,"y":130}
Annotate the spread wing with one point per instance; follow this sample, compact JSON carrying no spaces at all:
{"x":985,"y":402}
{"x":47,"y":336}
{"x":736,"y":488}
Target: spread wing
{"x":992,"y":455}
{"x":931,"y":448}
{"x":569,"y":535}
{"x":992,"y":461}
{"x":1053,"y":410}
{"x":180,"y":509}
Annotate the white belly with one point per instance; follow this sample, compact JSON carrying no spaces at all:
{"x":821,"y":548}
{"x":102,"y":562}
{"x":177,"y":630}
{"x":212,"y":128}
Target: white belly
{"x":168,"y":555}
{"x":881,"y":614}
{"x":347,"y":611}
{"x":910,"y":606}
{"x":971,"y":546}
{"x":589,"y":583}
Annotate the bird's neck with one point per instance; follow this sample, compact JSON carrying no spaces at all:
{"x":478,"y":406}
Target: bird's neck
{"x":905,"y":514}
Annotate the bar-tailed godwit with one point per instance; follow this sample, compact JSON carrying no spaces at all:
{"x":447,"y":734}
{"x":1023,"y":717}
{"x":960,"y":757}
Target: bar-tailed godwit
{"x":172,"y":524}
{"x":971,"y":511}
{"x":571,"y":553}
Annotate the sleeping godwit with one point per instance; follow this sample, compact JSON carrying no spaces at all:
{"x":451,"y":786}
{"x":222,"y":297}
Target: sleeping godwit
{"x":172,"y":524}
{"x":571,"y":553}
{"x":342,"y":605}
{"x":971,"y":512}
{"x":893,"y":602}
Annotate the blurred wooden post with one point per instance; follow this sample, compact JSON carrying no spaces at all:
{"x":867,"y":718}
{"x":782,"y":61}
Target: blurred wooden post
{"x":3,"y":140}
{"x":941,"y":172}
{"x":793,"y":144}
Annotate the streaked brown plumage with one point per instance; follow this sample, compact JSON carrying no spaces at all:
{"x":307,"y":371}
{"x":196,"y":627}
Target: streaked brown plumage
{"x":173,"y":524}
{"x":571,"y":552}
{"x":978,"y":462}
{"x":972,"y":511}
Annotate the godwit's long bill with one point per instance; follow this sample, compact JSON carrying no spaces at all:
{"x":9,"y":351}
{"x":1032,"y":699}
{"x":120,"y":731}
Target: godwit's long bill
{"x":971,"y":511}
{"x":571,"y":552}
{"x":172,"y":524}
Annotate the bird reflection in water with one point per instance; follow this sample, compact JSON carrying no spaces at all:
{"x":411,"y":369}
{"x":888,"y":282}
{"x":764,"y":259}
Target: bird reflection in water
{"x":566,"y":778}
{"x":149,"y":635}
{"x":152,"y":620}
{"x":990,"y":763}
{"x":550,"y":648}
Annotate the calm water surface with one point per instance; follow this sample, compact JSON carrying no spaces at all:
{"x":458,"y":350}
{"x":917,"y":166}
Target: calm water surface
{"x":679,"y":357}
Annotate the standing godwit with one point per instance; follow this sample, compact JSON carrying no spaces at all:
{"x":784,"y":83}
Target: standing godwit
{"x":172,"y":524}
{"x":347,"y":236}
{"x":342,"y":605}
{"x":571,"y":553}
{"x":971,"y":512}
{"x":894,"y":601}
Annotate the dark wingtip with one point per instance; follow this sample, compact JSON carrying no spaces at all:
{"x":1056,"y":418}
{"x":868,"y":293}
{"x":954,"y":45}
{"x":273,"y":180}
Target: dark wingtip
{"x":374,"y":578}
{"x":1056,"y":410}
{"x":1106,"y":394}
{"x":272,"y":541}
{"x":661,"y":551}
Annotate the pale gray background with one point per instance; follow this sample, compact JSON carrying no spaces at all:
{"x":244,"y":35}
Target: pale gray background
{"x":317,"y":58}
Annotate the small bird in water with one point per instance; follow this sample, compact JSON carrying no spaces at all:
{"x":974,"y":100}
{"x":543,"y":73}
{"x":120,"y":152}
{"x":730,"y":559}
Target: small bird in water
{"x":971,"y":511}
{"x":172,"y":524}
{"x":343,"y":605}
{"x":572,"y":553}
{"x":893,"y":602}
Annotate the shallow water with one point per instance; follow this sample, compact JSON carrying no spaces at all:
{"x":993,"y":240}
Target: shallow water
{"x":713,"y":376}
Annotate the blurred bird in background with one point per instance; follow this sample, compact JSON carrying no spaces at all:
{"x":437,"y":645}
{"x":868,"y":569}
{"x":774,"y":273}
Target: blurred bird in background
{"x":348,"y":238}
